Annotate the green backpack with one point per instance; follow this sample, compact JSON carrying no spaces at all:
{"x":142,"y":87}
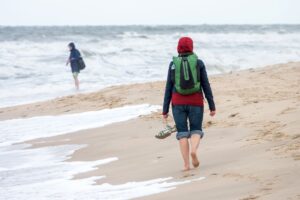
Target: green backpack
{"x":187,"y":74}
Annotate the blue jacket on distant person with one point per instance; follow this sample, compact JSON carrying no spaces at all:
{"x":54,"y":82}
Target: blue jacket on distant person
{"x":74,"y":57}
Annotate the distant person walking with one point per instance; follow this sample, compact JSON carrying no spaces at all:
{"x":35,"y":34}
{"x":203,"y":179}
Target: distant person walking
{"x":76,"y":63}
{"x":186,"y":80}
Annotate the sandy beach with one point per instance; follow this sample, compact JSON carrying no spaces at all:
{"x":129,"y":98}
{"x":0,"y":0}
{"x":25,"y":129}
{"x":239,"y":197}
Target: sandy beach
{"x":251,"y":148}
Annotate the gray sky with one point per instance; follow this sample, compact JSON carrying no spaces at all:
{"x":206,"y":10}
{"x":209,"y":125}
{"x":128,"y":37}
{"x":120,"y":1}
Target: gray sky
{"x":123,"y":12}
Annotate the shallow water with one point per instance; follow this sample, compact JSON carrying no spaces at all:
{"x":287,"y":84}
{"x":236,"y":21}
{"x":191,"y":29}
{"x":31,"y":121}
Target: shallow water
{"x":43,"y":173}
{"x":18,"y":130}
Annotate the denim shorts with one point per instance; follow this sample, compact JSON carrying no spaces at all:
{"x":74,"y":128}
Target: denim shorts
{"x":188,"y":120}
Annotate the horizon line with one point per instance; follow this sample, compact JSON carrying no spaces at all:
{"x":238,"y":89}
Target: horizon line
{"x":203,"y":24}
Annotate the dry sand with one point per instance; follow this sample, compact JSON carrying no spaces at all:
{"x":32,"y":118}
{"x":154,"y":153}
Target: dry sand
{"x":251,"y":148}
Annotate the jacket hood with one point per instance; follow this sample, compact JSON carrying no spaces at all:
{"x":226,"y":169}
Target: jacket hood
{"x":72,"y":45}
{"x":185,"y":45}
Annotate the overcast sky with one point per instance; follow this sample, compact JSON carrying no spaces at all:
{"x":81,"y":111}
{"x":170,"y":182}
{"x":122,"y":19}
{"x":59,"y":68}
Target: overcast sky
{"x":123,"y":12}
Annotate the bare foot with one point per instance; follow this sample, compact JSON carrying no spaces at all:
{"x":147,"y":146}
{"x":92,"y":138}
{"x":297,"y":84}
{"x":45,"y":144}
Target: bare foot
{"x":195,"y":160}
{"x":186,"y":168}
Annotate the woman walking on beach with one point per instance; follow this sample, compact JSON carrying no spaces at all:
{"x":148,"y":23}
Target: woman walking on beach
{"x":74,"y":61}
{"x":186,"y":80}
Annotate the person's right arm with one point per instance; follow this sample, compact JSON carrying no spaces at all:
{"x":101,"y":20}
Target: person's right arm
{"x":168,"y":93}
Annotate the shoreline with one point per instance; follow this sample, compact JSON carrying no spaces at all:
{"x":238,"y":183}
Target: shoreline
{"x":251,"y":149}
{"x":92,"y":100}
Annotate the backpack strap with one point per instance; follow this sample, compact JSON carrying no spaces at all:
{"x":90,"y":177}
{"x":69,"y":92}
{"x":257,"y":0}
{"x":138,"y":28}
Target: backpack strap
{"x":198,"y":70}
{"x":172,"y":70}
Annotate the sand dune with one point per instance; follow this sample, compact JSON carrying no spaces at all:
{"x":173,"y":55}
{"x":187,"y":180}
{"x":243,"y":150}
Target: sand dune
{"x":251,"y":149}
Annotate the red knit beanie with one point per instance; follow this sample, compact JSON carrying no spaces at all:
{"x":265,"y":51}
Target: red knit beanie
{"x":185,"y":45}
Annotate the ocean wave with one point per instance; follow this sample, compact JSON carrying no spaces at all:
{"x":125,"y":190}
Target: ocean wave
{"x":34,"y":57}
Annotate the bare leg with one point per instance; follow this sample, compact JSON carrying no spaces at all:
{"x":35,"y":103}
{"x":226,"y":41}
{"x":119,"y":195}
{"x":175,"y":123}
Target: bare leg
{"x":76,"y":82}
{"x":184,"y":147}
{"x":195,"y":140}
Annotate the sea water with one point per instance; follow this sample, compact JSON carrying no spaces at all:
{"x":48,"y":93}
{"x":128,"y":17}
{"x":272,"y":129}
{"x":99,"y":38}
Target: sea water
{"x":44,"y":173}
{"x":32,"y":64}
{"x":18,"y":130}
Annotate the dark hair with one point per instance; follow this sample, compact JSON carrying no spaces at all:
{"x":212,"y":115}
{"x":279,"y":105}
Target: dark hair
{"x":72,"y":45}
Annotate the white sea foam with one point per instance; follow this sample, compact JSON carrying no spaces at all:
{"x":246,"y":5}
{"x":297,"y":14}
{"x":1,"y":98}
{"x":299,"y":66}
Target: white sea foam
{"x":41,"y":173}
{"x":18,"y":130}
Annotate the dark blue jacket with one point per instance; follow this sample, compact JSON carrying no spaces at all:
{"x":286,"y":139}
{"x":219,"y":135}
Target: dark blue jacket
{"x":74,"y":57}
{"x":205,"y":87}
